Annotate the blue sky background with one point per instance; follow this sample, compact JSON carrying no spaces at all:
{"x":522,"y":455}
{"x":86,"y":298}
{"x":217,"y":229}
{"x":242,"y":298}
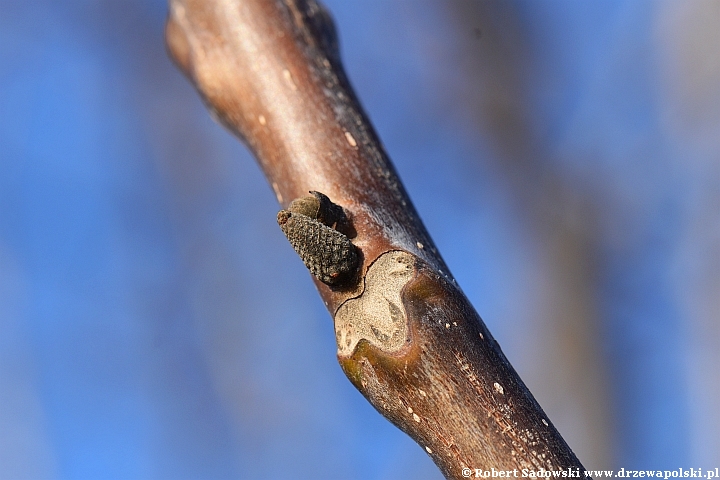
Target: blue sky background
{"x":154,"y":322}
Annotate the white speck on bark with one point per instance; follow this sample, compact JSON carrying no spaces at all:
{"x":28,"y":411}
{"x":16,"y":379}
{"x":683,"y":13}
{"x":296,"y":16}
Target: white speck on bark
{"x":278,"y":195}
{"x":350,"y":139}
{"x":288,"y":78}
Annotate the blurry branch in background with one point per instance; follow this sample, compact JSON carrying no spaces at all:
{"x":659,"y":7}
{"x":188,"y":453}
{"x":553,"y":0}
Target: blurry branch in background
{"x":407,"y":337}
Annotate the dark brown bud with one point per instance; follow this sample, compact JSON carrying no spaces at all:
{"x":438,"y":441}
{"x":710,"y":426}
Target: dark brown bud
{"x":327,"y":253}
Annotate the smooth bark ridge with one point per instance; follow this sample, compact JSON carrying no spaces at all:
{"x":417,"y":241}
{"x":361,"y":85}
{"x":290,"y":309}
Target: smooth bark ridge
{"x":408,"y":338}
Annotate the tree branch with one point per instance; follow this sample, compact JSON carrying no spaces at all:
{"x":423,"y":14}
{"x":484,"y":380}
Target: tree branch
{"x":408,"y":339}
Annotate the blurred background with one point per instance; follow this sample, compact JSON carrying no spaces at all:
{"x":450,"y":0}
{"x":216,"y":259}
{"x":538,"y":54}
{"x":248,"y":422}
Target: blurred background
{"x":155,"y":323}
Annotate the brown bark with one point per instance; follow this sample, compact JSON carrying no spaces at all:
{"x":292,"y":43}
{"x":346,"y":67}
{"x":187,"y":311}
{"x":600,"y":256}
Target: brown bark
{"x":408,"y":339}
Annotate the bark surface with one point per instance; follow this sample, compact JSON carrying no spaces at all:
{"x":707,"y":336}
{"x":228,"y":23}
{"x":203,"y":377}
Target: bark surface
{"x":408,"y":338}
